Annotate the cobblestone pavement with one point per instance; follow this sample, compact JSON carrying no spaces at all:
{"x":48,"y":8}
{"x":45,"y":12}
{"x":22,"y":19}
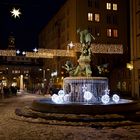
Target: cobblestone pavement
{"x":13,"y":127}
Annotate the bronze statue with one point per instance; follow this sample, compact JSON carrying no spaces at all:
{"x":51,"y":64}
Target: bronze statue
{"x":83,"y":69}
{"x":85,"y":37}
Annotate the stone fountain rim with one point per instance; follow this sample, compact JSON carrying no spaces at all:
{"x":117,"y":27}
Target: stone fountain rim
{"x":50,"y":107}
{"x":85,"y":78}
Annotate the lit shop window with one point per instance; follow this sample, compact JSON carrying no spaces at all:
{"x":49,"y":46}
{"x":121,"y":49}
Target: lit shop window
{"x":115,"y":7}
{"x":108,"y":6}
{"x":109,"y":32}
{"x":115,"y":33}
{"x":15,"y":71}
{"x":26,"y":71}
{"x":97,"y":17}
{"x":90,"y":17}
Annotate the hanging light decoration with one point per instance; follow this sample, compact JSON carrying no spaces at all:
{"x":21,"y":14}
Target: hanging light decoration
{"x":15,"y":13}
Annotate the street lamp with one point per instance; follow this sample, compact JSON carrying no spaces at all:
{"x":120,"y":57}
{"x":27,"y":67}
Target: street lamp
{"x":44,"y":75}
{"x":129,"y":65}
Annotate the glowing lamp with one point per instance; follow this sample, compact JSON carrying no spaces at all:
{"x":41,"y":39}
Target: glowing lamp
{"x":66,"y":98}
{"x":57,"y":99}
{"x":87,"y":95}
{"x":105,"y":99}
{"x":129,"y":66}
{"x":54,"y":96}
{"x":115,"y":98}
{"x":61,"y":93}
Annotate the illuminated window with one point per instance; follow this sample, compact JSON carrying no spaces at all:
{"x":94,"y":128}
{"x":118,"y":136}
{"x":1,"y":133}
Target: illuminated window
{"x":13,"y":71}
{"x":108,"y":6}
{"x":115,"y":33}
{"x":17,"y":71}
{"x":90,"y":17}
{"x":97,"y":17}
{"x":26,"y":71}
{"x":109,"y":32}
{"x":115,"y":7}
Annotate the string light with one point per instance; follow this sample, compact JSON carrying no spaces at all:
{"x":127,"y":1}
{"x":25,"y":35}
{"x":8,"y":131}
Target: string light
{"x":102,"y":48}
{"x":7,"y":53}
{"x":50,"y":53}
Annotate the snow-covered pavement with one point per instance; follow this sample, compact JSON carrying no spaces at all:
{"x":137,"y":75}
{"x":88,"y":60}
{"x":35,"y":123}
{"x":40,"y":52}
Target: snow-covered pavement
{"x":13,"y":127}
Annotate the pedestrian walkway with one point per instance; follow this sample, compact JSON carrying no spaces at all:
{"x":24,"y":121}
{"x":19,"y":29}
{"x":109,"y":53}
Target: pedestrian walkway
{"x":13,"y":127}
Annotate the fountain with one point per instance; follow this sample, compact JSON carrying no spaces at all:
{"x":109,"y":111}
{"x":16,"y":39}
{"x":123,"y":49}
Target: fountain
{"x":82,"y":93}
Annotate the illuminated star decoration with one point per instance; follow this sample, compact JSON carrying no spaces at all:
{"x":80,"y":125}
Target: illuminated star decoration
{"x":70,"y":46}
{"x":84,"y":88}
{"x":107,"y":91}
{"x":15,"y":12}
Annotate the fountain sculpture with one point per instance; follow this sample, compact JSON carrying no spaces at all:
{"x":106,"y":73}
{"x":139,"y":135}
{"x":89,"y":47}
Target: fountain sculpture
{"x":82,"y":93}
{"x":80,"y":84}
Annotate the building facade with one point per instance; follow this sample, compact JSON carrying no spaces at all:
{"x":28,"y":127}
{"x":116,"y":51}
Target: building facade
{"x":16,"y":69}
{"x":22,"y":72}
{"x":135,"y":46}
{"x":107,"y":21}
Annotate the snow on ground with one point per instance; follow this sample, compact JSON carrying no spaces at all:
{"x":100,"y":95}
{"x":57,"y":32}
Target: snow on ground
{"x":13,"y":127}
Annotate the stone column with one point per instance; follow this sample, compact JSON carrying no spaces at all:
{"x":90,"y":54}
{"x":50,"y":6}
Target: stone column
{"x":21,"y":83}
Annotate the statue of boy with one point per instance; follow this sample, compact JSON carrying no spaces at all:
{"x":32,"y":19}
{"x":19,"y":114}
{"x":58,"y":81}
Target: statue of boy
{"x":85,"y":37}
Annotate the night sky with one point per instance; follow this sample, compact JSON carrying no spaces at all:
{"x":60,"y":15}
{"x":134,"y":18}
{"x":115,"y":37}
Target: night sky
{"x":35,"y":15}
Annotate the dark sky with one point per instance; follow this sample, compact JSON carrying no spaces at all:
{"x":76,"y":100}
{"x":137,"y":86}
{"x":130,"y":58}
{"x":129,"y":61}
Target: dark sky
{"x":35,"y":15}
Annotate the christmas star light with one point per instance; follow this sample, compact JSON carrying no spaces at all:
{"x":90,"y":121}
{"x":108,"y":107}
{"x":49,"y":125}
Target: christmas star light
{"x":71,"y":45}
{"x":15,"y":12}
{"x":84,"y":88}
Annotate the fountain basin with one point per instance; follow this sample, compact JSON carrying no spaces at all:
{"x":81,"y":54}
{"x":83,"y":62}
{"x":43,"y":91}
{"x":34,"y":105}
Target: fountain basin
{"x":47,"y":106}
{"x":76,"y":86}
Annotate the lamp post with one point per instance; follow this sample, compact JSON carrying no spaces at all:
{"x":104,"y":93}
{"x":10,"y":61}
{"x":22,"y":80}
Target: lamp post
{"x":44,"y":75}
